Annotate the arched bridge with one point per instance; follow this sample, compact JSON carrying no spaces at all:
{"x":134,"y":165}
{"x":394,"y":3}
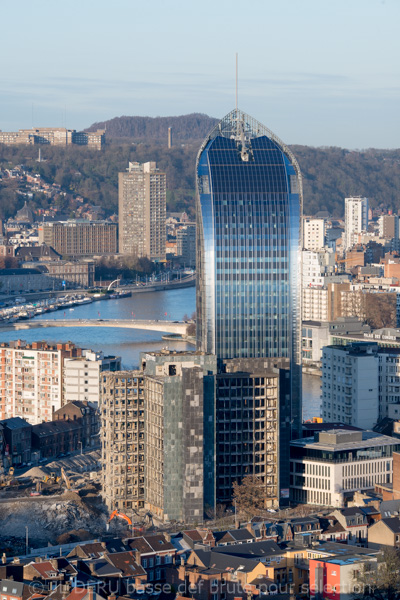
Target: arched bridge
{"x":177,"y":327}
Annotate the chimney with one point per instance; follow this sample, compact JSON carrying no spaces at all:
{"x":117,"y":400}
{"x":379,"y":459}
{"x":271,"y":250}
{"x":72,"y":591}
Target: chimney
{"x":138,"y":557}
{"x":4,"y":558}
{"x":90,"y":593}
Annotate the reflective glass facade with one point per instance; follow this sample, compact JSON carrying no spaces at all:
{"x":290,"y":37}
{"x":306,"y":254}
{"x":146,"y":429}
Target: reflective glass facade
{"x":249,"y":206}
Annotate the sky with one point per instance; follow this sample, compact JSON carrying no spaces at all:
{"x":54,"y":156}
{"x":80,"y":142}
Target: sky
{"x":315,"y":72}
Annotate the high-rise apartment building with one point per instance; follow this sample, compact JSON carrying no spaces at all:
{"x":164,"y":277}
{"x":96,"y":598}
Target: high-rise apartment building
{"x":79,"y":237}
{"x":313,"y":234}
{"x":249,"y":206}
{"x":389,"y":226}
{"x":356,"y":220}
{"x":158,"y":435}
{"x":31,"y":379}
{"x":122,"y":439}
{"x":253,"y":399}
{"x":186,"y":245}
{"x":142,"y":211}
{"x":350,"y":384}
{"x":179,"y":434}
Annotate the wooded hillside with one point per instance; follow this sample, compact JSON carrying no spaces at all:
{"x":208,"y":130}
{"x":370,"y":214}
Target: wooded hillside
{"x":329,"y":174}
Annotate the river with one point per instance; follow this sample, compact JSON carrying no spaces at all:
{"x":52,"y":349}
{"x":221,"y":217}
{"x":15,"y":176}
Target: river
{"x":128,"y":343}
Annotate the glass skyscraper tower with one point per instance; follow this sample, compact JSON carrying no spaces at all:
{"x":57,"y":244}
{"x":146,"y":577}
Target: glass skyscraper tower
{"x":249,"y":206}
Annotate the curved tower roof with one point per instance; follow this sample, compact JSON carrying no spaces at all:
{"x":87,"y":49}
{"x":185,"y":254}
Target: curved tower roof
{"x":242,"y":127}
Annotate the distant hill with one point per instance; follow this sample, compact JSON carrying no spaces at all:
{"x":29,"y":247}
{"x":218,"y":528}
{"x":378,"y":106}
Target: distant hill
{"x":329,"y":174}
{"x":155,"y":129}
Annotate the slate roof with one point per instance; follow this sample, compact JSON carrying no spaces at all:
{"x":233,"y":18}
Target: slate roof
{"x":158,"y":543}
{"x":253,"y":550}
{"x":15,"y":423}
{"x":37,"y":252}
{"x":141,"y":545}
{"x":93,"y":550}
{"x":126,"y":563}
{"x":12,"y":588}
{"x":393,"y":524}
{"x":103,"y":568}
{"x":389,"y":508}
{"x":221,"y":562}
{"x":234,"y":535}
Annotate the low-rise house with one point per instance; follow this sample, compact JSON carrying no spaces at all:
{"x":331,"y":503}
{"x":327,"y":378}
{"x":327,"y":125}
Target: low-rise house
{"x":235,"y":536}
{"x":385,"y":532}
{"x":44,"y":571}
{"x":17,"y":437}
{"x":333,"y":531}
{"x":156,"y":554}
{"x":52,"y":438}
{"x":355,"y":521}
{"x":266,"y":552}
{"x":263,"y":530}
{"x":90,"y":550}
{"x":84,"y":413}
{"x":209,"y":574}
{"x":13,"y":590}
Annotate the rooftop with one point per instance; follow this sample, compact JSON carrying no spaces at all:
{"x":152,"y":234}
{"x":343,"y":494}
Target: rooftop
{"x":332,"y":442}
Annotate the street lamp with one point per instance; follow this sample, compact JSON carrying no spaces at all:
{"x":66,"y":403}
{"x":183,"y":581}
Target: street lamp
{"x":26,"y":539}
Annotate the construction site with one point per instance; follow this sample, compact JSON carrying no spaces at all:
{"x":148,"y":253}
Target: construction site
{"x":54,"y":504}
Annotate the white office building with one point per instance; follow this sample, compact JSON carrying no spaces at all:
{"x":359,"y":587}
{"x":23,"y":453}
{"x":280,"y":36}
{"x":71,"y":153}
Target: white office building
{"x":356,"y":220}
{"x":328,"y":469}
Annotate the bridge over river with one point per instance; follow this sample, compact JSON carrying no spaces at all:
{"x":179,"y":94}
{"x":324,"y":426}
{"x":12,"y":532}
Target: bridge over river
{"x":176,"y":327}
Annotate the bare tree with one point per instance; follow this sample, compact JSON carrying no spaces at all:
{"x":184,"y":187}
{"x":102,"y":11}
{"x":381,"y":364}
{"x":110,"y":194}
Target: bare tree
{"x":379,"y":581}
{"x":248,"y":495}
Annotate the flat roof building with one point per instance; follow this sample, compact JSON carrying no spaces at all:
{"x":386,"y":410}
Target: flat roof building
{"x":330,"y":467}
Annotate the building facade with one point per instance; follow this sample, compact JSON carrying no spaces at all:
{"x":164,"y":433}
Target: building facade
{"x":329,"y":468}
{"x":249,"y":204}
{"x":122,"y":440}
{"x":31,"y":379}
{"x":54,"y":136}
{"x":82,"y":375}
{"x":186,"y":245}
{"x":179,"y":434}
{"x":350,"y":384}
{"x":142,"y":211}
{"x":356,"y":220}
{"x":79,"y":237}
{"x":252,"y":434}
{"x":313,"y":234}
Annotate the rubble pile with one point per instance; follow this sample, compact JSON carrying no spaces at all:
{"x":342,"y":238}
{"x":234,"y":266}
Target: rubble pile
{"x":47,"y":518}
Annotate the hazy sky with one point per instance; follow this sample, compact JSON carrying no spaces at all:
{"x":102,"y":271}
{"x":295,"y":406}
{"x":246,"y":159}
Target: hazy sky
{"x":316,"y":72}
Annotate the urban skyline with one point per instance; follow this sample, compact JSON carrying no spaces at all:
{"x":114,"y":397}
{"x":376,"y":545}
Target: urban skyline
{"x":334,"y":80}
